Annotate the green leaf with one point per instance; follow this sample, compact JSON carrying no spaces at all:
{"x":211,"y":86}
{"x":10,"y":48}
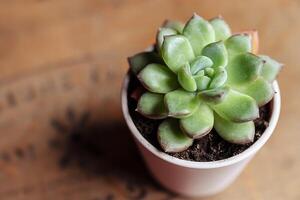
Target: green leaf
{"x":158,"y":78}
{"x":186,"y":79}
{"x":199,"y":32}
{"x":162,"y":32}
{"x":209,"y":72}
{"x":202,"y":82}
{"x":270,"y":68}
{"x":176,"y":51}
{"x":152,"y":106}
{"x":200,"y":73}
{"x":222,"y":30}
{"x":244,"y":68}
{"x":237,"y":107}
{"x":199,"y":63}
{"x":181,"y":103}
{"x":140,"y":60}
{"x":217,"y":53}
{"x":239,"y":133}
{"x":176,"y":25}
{"x":171,"y":138}
{"x":237,"y":44}
{"x":214,"y":96}
{"x":219,"y":78}
{"x":199,"y":123}
{"x":260,"y":90}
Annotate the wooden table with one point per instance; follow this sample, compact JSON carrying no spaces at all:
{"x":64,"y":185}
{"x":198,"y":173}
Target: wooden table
{"x":61,"y":67}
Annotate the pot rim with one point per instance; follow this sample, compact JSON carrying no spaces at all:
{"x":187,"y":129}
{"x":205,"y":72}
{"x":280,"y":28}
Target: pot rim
{"x":275,"y":107}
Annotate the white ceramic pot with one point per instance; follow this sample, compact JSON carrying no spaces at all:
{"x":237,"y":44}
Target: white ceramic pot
{"x":190,"y":178}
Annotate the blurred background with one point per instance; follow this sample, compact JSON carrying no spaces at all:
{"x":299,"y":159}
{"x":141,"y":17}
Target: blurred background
{"x":61,"y":69}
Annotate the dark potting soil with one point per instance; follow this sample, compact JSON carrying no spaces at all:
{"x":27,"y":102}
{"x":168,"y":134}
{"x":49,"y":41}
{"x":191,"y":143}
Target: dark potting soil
{"x":208,"y":148}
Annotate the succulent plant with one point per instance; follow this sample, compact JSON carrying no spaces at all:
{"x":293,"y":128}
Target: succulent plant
{"x":199,"y":77}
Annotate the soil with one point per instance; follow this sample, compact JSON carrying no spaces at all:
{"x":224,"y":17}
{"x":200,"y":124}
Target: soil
{"x":208,"y":148}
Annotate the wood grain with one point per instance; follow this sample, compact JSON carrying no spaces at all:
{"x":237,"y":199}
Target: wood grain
{"x":61,"y":68}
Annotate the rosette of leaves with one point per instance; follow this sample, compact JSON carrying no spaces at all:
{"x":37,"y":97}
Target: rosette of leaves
{"x":200,"y":77}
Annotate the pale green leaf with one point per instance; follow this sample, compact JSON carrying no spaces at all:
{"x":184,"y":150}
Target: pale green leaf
{"x":158,"y":78}
{"x":176,"y":51}
{"x":186,"y":79}
{"x":270,"y":68}
{"x":152,"y":106}
{"x":237,"y":44}
{"x":202,"y":82}
{"x":237,"y":107}
{"x":199,"y":32}
{"x":219,"y":78}
{"x":222,"y":29}
{"x":162,"y":32}
{"x":260,"y":90}
{"x":199,"y":123}
{"x":181,"y":103}
{"x":200,"y":63}
{"x":239,"y":133}
{"x":244,"y":68}
{"x":217,"y":53}
{"x":214,"y":96}
{"x":171,"y":138}
{"x":176,"y":25}
{"x":140,"y":60}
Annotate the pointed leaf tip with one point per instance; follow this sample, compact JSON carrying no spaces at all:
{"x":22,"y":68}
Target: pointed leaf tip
{"x":176,"y":25}
{"x":270,"y":68}
{"x":199,"y":32}
{"x":237,"y":44}
{"x":222,"y":29}
{"x":162,"y":32}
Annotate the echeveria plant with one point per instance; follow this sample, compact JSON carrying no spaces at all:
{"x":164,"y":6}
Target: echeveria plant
{"x":200,"y":77}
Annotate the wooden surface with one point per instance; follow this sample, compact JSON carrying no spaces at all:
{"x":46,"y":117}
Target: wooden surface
{"x":61,"y":66}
